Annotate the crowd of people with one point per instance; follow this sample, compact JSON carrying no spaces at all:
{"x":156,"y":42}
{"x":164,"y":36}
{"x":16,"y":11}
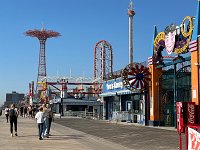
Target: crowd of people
{"x":42,"y":113}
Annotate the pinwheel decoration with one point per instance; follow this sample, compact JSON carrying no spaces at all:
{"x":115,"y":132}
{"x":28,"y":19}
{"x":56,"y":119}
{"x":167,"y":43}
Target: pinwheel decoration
{"x":135,"y":77}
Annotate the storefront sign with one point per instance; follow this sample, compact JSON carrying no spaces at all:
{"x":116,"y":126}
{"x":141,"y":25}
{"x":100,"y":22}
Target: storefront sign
{"x":193,"y":139}
{"x":191,"y":113}
{"x":176,"y":39}
{"x":194,"y":93}
{"x":182,"y":44}
{"x":114,"y":85}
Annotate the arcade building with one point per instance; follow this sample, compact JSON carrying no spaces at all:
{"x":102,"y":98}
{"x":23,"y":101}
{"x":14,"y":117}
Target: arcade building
{"x":174,"y":67}
{"x":147,"y":93}
{"x":126,"y":100}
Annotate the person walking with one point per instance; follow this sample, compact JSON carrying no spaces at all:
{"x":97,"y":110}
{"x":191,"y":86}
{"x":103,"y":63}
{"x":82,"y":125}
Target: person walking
{"x":21,"y":110}
{"x":6,"y":112}
{"x":13,"y":114}
{"x":40,"y":121}
{"x":30,"y":112}
{"x":50,"y":120}
{"x":25,"y":111}
{"x":46,"y":121}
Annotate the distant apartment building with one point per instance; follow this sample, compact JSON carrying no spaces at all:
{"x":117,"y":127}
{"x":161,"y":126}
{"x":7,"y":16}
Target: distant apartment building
{"x":13,"y":97}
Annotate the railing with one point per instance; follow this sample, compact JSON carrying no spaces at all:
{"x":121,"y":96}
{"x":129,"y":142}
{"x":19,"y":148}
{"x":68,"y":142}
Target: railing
{"x":83,"y":114}
{"x":123,"y":116}
{"x":127,"y":116}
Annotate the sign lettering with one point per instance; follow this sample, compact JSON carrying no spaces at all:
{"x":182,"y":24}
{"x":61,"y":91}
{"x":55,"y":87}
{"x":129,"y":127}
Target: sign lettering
{"x":114,"y":85}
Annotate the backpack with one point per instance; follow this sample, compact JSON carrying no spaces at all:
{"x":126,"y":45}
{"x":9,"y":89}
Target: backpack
{"x":12,"y":112}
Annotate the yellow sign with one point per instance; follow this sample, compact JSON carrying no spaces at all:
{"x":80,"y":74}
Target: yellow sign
{"x":159,"y":37}
{"x":189,"y":27}
{"x":184,"y":43}
{"x":181,"y":45}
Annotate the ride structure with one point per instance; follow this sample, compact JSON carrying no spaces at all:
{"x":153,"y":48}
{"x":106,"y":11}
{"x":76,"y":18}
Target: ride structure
{"x":103,"y":59}
{"x":103,"y":63}
{"x":56,"y":90}
{"x":42,"y":36}
{"x":131,"y":13}
{"x":135,"y":75}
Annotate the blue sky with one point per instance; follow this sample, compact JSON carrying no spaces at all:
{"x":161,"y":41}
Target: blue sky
{"x":82,"y":23}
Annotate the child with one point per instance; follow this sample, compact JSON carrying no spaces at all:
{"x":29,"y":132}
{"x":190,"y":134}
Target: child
{"x":40,"y":121}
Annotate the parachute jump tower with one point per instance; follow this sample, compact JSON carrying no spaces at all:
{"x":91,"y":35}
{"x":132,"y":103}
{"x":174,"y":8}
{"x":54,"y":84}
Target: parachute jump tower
{"x":42,"y":36}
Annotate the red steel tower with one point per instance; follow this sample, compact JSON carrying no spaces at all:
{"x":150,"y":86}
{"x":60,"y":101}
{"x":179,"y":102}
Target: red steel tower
{"x":42,"y":35}
{"x":103,"y":63}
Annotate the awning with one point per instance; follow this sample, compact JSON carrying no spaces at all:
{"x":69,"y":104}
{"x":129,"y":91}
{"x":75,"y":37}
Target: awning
{"x":108,"y":94}
{"x":125,"y":92}
{"x":122,"y":92}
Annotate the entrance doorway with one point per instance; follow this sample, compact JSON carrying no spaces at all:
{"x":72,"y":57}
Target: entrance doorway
{"x":174,"y":86}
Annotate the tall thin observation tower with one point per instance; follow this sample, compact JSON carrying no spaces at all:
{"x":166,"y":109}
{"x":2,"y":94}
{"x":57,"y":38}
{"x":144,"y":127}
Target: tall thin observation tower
{"x":131,"y":13}
{"x":42,"y":35}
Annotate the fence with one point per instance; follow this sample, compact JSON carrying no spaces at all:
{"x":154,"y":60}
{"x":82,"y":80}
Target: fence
{"x":84,"y":114}
{"x":127,"y":116}
{"x":122,"y":116}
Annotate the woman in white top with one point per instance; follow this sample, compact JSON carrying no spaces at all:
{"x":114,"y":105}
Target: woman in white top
{"x":40,"y":121}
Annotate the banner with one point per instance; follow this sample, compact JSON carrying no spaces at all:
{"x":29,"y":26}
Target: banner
{"x":193,"y":139}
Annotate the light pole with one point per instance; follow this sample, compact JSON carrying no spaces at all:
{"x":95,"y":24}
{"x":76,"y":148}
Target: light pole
{"x":62,"y":114}
{"x":175,"y":95}
{"x":63,"y":88}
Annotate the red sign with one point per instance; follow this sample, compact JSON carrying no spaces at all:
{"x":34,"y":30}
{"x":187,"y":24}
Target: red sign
{"x":193,"y":139}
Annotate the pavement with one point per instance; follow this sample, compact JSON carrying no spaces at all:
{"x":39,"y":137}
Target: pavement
{"x":136,"y":124}
{"x":129,"y":135}
{"x":87,"y":134}
{"x":63,"y":138}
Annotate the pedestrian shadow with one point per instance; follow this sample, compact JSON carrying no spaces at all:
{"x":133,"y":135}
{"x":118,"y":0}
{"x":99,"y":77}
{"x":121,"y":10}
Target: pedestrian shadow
{"x":27,"y":135}
{"x":64,"y":137}
{"x":54,"y":137}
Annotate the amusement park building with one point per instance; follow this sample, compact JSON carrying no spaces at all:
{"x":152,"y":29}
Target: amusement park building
{"x":174,"y":78}
{"x":122,"y":104}
{"x":77,"y":106}
{"x":174,"y":67}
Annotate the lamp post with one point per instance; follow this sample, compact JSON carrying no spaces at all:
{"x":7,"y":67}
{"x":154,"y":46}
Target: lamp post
{"x":175,"y":95}
{"x":63,"y":88}
{"x":62,"y":114}
{"x":177,"y":60}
